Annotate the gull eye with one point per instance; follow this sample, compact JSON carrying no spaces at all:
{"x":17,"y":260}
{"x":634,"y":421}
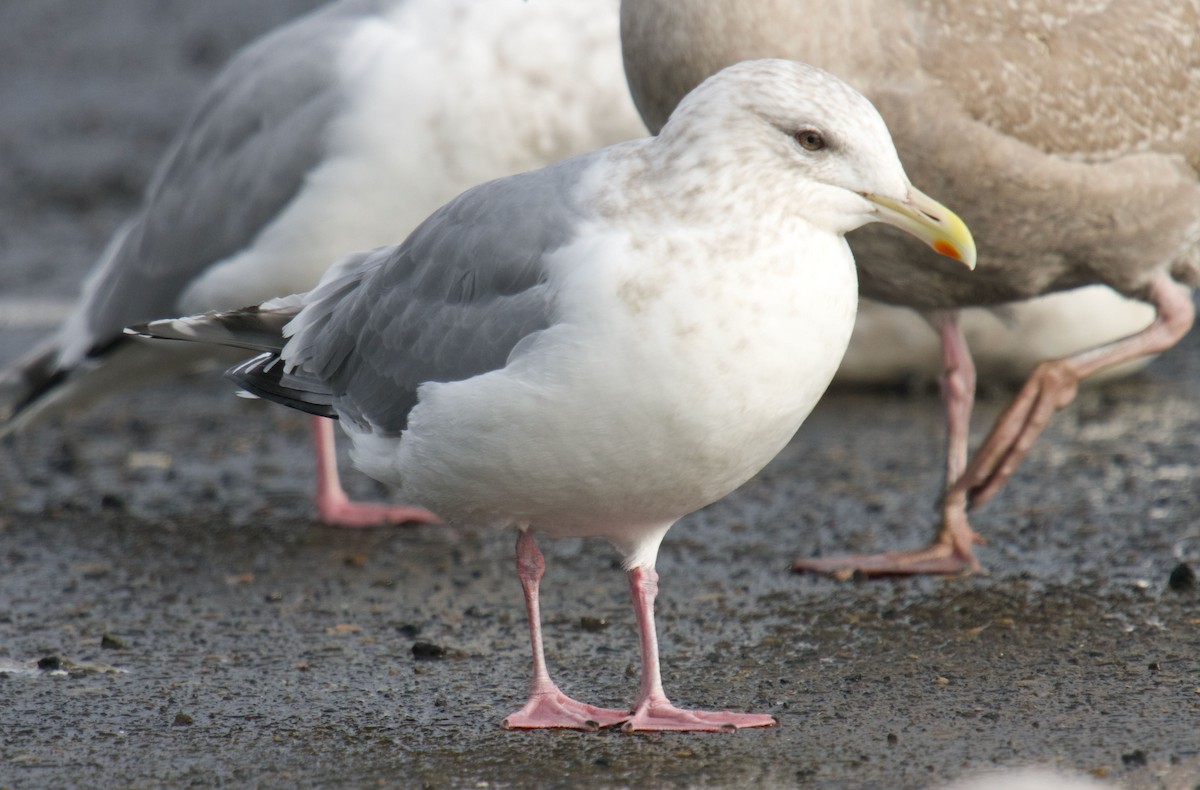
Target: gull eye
{"x":809,"y":139}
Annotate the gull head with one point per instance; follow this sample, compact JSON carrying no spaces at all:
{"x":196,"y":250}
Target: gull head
{"x":792,"y":134}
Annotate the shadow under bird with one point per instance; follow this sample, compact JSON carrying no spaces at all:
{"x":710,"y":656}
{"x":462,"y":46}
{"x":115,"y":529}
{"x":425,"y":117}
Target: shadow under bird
{"x":603,"y":346}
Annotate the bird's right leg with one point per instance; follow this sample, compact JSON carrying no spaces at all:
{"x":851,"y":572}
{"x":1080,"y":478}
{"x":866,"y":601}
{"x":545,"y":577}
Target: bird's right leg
{"x":1053,"y":384}
{"x":547,"y":706}
{"x":653,"y":710}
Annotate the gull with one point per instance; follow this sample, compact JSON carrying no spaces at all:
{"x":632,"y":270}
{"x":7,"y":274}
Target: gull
{"x":603,"y":346}
{"x":1068,"y":135}
{"x":340,"y":131}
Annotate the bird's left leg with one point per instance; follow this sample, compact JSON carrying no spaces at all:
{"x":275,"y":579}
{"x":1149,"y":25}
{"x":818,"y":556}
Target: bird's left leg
{"x":654,"y":711}
{"x":335,"y":508}
{"x":1053,"y":384}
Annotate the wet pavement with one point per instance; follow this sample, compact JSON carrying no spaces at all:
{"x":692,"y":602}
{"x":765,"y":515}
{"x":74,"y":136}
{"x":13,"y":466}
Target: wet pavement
{"x":170,"y":615}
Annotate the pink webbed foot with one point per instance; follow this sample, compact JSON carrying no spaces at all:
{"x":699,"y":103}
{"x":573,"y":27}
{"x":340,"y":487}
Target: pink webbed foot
{"x":654,"y":711}
{"x":661,"y":715}
{"x":335,"y":508}
{"x":950,"y":553}
{"x":547,"y":706}
{"x":555,"y":710}
{"x":937,"y":558}
{"x":341,"y":512}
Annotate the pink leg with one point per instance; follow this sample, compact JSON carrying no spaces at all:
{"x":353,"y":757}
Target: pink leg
{"x":335,"y":508}
{"x":547,"y":706}
{"x":950,"y":551}
{"x":1053,"y":384}
{"x":654,"y":711}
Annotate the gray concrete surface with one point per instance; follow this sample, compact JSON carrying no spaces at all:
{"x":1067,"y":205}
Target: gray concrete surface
{"x":157,"y":555}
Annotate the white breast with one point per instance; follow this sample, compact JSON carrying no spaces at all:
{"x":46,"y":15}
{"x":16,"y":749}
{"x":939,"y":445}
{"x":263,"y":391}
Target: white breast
{"x":671,"y":381}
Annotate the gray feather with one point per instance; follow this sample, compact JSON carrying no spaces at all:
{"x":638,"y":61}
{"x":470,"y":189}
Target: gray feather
{"x":449,"y":303}
{"x":265,"y":377}
{"x":253,"y":328}
{"x":256,"y":133}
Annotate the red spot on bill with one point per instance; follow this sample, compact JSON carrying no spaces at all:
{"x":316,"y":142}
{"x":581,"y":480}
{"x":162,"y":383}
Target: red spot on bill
{"x":947,"y":249}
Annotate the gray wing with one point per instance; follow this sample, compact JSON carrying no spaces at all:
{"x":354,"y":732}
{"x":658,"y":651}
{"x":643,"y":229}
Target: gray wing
{"x":450,"y":302}
{"x":242,"y":156}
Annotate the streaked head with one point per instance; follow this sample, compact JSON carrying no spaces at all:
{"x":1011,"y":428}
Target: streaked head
{"x":780,"y":124}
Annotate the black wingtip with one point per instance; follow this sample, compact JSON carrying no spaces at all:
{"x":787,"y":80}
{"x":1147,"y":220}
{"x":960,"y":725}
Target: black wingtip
{"x":264,"y":377}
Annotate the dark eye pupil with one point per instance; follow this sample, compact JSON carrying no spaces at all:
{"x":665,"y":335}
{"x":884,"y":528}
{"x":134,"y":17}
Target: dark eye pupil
{"x":810,"y":140}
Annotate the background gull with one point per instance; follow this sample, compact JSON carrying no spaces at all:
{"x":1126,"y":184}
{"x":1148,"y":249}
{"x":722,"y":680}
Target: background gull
{"x":338,"y":132}
{"x":1068,"y":136}
{"x":600,"y":347}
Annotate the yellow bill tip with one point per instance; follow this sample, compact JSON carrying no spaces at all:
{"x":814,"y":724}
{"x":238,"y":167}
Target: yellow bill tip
{"x":929,"y":221}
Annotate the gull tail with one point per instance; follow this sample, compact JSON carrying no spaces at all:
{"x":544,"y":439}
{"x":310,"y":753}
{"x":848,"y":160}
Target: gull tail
{"x":258,"y":329}
{"x":253,"y":328}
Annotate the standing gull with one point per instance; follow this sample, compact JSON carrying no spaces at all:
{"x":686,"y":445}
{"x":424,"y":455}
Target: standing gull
{"x":600,"y":347}
{"x":1069,"y":135}
{"x":338,"y":132}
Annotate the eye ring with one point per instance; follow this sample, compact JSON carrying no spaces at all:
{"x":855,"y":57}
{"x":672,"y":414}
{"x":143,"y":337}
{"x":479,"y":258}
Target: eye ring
{"x":809,"y":139}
